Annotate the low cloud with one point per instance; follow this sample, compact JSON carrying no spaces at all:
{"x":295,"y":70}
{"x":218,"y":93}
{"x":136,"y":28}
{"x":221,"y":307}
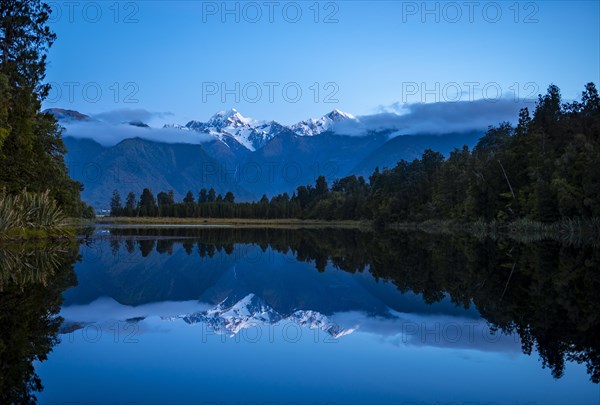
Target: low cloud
{"x":416,"y":330}
{"x":435,"y":118}
{"x":127,"y":115}
{"x":108,"y":134}
{"x":105,"y":309}
{"x":111,"y":127}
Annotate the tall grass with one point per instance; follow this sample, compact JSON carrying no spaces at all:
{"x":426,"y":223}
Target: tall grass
{"x":28,"y":211}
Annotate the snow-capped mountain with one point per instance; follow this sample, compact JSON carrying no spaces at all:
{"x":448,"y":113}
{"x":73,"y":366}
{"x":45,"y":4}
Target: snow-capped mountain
{"x":231,"y":126}
{"x":229,"y":119}
{"x":230,"y":317}
{"x":316,"y":126}
{"x":228,"y":126}
{"x":335,"y":145}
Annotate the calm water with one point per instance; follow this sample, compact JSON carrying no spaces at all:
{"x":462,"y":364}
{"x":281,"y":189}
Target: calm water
{"x":226,"y":315}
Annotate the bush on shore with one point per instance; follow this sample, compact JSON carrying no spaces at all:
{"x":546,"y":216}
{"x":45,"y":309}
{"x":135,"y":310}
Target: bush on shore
{"x":30,"y":215}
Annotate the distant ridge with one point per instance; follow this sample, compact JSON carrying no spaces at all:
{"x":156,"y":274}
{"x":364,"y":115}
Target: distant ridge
{"x":242,"y":155}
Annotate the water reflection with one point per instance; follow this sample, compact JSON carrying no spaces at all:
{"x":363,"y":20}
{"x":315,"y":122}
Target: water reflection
{"x":544,"y":292}
{"x":32,"y":279}
{"x":447,"y":293}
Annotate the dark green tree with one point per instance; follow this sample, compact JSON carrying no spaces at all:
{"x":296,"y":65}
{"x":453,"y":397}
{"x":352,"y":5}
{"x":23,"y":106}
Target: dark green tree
{"x":202,"y":196}
{"x":116,"y":207}
{"x":167,"y":198}
{"x":189,"y":198}
{"x":130,"y":209}
{"x":229,"y":197}
{"x":147,"y":204}
{"x":166,"y":203}
{"x":212,"y":195}
{"x":321,"y":188}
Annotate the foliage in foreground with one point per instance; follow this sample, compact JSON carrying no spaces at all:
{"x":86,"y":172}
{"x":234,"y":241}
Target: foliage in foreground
{"x":29,"y":214}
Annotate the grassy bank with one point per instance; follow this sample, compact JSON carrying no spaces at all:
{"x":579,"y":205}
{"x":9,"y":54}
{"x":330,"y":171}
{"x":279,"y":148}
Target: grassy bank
{"x":238,"y":222}
{"x":523,"y":230}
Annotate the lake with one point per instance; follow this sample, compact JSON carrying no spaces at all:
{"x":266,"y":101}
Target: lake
{"x":309,"y":316}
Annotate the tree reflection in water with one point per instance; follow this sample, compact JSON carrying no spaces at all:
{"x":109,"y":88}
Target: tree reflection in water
{"x":32,"y":279}
{"x":545,"y":291}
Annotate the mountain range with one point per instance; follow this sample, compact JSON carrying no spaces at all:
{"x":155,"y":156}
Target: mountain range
{"x":230,"y":152}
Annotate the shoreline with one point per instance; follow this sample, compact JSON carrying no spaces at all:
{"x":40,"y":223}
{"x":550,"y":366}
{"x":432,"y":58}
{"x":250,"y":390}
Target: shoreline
{"x":226,"y":222}
{"x":522,"y":230}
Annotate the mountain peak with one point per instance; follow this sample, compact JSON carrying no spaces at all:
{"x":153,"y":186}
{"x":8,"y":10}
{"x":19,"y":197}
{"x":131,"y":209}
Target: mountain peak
{"x":230,"y":125}
{"x":231,"y":112}
{"x":316,"y":126}
{"x":229,"y":117}
{"x":225,"y":113}
{"x":338,"y":115}
{"x":62,"y":114}
{"x":138,"y":123}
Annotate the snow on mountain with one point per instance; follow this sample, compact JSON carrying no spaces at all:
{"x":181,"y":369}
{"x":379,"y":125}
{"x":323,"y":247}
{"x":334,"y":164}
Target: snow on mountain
{"x":229,"y":119}
{"x":233,"y":129}
{"x":231,"y":317}
{"x":316,"y":320}
{"x":231,"y":125}
{"x":176,"y":126}
{"x":316,"y":126}
{"x":228,"y":126}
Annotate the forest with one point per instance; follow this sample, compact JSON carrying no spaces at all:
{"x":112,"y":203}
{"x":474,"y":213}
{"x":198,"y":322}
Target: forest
{"x":36,"y":192}
{"x":545,"y":169}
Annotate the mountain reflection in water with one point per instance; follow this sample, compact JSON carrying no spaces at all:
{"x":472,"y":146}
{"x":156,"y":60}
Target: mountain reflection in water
{"x":408,"y":289}
{"x":543,"y":292}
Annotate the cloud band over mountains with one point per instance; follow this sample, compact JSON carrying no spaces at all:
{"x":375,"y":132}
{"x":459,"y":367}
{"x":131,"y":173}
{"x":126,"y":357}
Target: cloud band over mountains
{"x":108,"y":134}
{"x":439,"y":118}
{"x":112,"y":127}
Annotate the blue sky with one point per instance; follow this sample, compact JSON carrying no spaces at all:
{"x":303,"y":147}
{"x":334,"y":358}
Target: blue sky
{"x":188,"y":59}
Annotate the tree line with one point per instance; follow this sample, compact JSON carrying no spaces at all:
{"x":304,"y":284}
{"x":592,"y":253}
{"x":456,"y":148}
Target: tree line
{"x":208,"y":204}
{"x":546,"y":168}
